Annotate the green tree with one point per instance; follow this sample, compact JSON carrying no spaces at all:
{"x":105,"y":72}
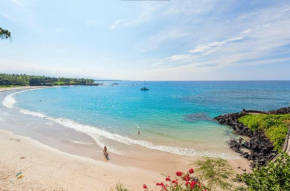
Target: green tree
{"x":4,"y":34}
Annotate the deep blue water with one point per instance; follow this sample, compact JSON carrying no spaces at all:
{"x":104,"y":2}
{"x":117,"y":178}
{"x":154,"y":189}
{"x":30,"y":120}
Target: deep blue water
{"x":170,"y":113}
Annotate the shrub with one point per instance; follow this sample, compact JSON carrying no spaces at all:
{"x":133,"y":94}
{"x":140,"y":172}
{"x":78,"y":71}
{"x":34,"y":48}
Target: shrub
{"x":216,"y":172}
{"x":274,"y":177}
{"x":119,"y":187}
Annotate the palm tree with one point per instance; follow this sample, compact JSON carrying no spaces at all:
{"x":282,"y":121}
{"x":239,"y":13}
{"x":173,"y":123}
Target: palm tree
{"x":4,"y":34}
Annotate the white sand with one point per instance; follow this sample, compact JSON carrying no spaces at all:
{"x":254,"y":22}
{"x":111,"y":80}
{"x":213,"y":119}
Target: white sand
{"x":22,"y":88}
{"x":45,"y":168}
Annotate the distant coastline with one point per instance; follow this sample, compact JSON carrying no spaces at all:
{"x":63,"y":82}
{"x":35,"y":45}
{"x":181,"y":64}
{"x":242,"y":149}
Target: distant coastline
{"x":15,"y":80}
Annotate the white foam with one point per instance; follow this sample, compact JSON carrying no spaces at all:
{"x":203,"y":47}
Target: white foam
{"x":9,"y":101}
{"x":102,"y":145}
{"x":82,"y":143}
{"x":96,"y":133}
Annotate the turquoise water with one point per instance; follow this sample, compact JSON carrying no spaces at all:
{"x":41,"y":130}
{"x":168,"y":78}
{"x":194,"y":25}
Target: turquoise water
{"x":172,"y":117}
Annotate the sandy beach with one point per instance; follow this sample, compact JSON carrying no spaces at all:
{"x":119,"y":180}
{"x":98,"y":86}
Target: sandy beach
{"x":45,"y":168}
{"x":67,"y":166}
{"x":21,"y":88}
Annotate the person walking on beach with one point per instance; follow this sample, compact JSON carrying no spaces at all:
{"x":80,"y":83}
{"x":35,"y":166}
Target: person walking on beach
{"x":106,"y":153}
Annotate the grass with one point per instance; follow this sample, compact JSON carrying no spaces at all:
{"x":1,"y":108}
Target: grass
{"x":274,"y":126}
{"x":119,"y":187}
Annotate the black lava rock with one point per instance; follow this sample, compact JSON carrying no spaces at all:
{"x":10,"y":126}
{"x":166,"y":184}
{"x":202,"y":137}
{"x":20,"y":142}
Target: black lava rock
{"x":261,"y":148}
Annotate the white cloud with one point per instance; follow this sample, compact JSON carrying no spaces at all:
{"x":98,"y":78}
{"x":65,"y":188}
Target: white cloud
{"x":117,"y":23}
{"x":148,"y":10}
{"x":179,"y":57}
{"x":156,"y":40}
{"x":17,"y":2}
{"x":191,"y":7}
{"x":264,"y":34}
{"x":209,"y":46}
{"x":204,"y":49}
{"x":247,"y":31}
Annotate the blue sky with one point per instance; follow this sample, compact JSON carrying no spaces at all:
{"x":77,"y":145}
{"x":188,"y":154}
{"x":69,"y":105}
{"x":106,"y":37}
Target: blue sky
{"x":152,"y":40}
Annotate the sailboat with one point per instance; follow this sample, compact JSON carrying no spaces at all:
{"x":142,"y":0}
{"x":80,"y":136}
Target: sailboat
{"x":145,"y":87}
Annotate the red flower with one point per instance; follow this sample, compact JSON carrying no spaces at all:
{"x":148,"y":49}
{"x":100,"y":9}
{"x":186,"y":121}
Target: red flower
{"x":187,"y":183}
{"x":191,"y":171}
{"x":179,"y":173}
{"x":144,"y":186}
{"x":167,"y":179}
{"x":159,"y":184}
{"x":186,"y":177}
{"x":173,"y":181}
{"x":192,"y":184}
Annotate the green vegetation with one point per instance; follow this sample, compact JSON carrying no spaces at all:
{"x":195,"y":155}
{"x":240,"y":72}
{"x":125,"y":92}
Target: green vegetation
{"x":119,"y":187}
{"x":7,"y":80}
{"x":274,"y":177}
{"x":4,"y":34}
{"x":274,"y":126}
{"x":217,"y":173}
{"x":8,"y":86}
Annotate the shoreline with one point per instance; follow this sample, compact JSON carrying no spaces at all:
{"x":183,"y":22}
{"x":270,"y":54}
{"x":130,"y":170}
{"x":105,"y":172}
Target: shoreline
{"x":3,"y":89}
{"x":159,"y":162}
{"x":46,"y":168}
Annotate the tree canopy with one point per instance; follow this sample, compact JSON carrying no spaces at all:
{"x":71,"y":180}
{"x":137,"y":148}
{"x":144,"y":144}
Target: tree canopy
{"x":25,"y":80}
{"x":4,"y":34}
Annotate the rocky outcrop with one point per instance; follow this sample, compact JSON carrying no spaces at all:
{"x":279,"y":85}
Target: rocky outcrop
{"x":260,"y":148}
{"x":232,"y":120}
{"x":284,"y":110}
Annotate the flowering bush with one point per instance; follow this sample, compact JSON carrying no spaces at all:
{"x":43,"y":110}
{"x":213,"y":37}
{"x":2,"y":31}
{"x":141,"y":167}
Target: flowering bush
{"x":183,"y":182}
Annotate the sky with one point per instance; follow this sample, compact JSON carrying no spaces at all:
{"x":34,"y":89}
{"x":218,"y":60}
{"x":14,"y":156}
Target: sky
{"x":151,"y":40}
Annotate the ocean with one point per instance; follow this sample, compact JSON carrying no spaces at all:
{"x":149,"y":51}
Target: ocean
{"x":172,"y":117}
